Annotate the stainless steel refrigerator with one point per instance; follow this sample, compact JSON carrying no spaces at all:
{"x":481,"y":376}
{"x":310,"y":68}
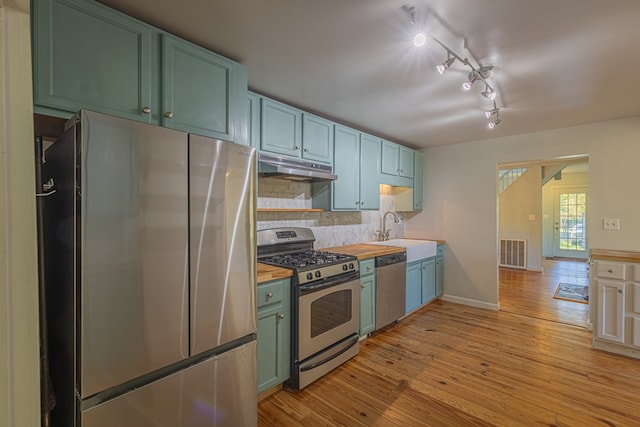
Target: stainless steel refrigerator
{"x":149,"y":249}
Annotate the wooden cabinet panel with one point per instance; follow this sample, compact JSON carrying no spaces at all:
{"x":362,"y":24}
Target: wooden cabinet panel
{"x":281,"y":128}
{"x":389,"y":158}
{"x":367,"y":296}
{"x":414,"y":286}
{"x":610,"y":311}
{"x":346,"y":189}
{"x":89,"y":56}
{"x":405,"y":162}
{"x":418,"y":181}
{"x":317,"y":138}
{"x":274,"y":332}
{"x":198,"y":90}
{"x":253,"y":120}
{"x":428,"y":280}
{"x":369,"y":176}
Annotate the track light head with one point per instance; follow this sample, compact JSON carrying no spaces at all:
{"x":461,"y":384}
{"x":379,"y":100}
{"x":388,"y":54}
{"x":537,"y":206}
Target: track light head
{"x":419,"y":40}
{"x":446,"y":64}
{"x":473,"y":77}
{"x":494,"y":123}
{"x":493,"y":112}
{"x":489,"y":93}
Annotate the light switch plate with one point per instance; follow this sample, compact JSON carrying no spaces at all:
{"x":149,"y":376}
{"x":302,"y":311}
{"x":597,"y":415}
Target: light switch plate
{"x":611,"y":224}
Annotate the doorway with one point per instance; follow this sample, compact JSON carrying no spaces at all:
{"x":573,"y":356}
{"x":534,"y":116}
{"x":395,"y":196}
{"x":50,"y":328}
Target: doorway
{"x":548,"y":210}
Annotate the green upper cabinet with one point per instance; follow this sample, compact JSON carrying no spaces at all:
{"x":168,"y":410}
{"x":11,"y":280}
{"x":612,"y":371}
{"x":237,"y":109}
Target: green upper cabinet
{"x":389,"y":163}
{"x":356,"y":161}
{"x":396,"y":167}
{"x":418,"y":183}
{"x":281,"y":128}
{"x":317,"y":138}
{"x":369,"y":177}
{"x":346,"y":189}
{"x":89,"y":56}
{"x":291,"y":132}
{"x":202,"y":91}
{"x":253,"y":120}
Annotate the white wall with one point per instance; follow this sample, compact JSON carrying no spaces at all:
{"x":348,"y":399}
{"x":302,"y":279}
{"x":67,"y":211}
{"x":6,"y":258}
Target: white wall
{"x":461,"y":199}
{"x":520,"y":202}
{"x":19,"y":355}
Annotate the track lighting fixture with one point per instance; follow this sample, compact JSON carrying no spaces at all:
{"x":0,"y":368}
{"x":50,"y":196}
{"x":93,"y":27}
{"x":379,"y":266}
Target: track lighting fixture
{"x":495,"y":123}
{"x":489,"y":92}
{"x":492,"y":112}
{"x":446,"y":64}
{"x":476,"y":70}
{"x":473,"y":77}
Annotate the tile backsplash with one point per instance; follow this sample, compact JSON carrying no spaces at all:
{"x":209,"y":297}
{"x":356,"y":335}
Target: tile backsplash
{"x":329,"y":228}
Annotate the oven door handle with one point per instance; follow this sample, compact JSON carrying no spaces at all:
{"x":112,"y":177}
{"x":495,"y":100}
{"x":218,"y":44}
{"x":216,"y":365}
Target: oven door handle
{"x":353,"y":341}
{"x":327,"y":283}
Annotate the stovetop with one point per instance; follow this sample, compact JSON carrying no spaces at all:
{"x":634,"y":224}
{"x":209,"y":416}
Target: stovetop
{"x":292,"y":248}
{"x":309,"y":258}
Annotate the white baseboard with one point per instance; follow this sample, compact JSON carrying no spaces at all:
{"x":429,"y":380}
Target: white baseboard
{"x":471,"y":302}
{"x":538,"y":269}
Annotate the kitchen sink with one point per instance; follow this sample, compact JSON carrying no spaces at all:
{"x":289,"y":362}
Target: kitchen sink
{"x":416,"y":249}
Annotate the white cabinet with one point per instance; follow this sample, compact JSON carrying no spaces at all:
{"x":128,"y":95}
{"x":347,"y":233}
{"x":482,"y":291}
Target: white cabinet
{"x":610,"y":310}
{"x":616,"y":284}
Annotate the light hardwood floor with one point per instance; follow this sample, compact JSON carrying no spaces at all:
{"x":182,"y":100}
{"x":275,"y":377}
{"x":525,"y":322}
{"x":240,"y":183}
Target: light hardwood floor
{"x":452,"y":365}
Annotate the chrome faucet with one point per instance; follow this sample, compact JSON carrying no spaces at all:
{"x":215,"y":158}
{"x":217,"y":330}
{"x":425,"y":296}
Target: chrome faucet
{"x":384,"y":234}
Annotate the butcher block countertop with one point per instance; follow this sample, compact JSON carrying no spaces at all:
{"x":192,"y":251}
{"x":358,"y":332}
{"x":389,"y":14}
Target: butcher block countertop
{"x":611,"y":255}
{"x":268,"y":272}
{"x":364,"y":251}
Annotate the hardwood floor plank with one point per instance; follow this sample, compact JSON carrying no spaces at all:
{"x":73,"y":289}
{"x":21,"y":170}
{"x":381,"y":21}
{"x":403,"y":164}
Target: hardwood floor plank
{"x":454,"y":365}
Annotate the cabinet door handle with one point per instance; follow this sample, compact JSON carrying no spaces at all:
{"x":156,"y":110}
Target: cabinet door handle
{"x":146,"y":110}
{"x":619,"y":291}
{"x":280,"y":316}
{"x":362,"y":286}
{"x":168,"y":115}
{"x":362,"y":203}
{"x":368,"y":268}
{"x":610,"y":270}
{"x":297,"y":147}
{"x":306,"y":150}
{"x":356,"y":202}
{"x":270,"y":295}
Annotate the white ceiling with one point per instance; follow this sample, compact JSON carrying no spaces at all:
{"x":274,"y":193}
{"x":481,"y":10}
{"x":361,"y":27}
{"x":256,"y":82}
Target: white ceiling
{"x":557,"y":62}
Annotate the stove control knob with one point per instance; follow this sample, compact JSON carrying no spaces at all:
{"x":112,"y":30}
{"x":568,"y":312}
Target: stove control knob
{"x":351,"y":265}
{"x":309,"y":276}
{"x":318,"y":273}
{"x":345,"y":267}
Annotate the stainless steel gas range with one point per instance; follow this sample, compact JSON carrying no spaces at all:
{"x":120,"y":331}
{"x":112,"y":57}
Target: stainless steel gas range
{"x":325,"y":302}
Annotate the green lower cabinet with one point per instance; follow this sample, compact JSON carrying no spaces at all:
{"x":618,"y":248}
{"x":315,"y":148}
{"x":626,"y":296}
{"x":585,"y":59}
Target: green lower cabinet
{"x":428,"y":267}
{"x":440,"y":271}
{"x":367,"y":296}
{"x":421,"y":283}
{"x":274,"y":321}
{"x":414,"y":286}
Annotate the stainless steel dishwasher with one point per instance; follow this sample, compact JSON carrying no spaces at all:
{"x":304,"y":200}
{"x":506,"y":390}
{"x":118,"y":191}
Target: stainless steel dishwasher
{"x":391,"y":277}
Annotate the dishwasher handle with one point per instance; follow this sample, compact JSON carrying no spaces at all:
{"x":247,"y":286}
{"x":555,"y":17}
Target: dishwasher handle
{"x":394,"y":258}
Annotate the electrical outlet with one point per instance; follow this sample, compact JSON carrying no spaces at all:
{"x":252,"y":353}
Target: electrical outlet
{"x":611,"y":224}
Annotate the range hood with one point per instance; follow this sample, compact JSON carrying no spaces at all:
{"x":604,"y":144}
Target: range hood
{"x":293,"y":169}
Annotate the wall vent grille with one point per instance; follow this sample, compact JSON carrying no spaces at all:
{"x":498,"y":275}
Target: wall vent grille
{"x":513,"y":253}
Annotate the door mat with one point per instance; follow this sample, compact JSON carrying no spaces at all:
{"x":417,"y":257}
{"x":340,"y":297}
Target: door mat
{"x":572,"y":292}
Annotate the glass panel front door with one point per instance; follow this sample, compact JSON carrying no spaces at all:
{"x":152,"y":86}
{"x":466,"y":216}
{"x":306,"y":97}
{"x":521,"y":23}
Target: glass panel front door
{"x":570,"y":237}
